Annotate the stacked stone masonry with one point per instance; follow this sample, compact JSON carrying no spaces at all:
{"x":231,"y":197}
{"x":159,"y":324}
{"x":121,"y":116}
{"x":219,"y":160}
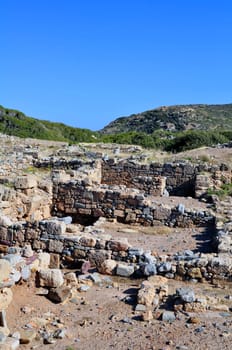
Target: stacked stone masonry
{"x":126,"y":205}
{"x":101,"y":250}
{"x":179,"y":178}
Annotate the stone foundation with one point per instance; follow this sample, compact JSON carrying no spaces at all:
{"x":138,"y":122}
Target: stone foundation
{"x":125,"y":205}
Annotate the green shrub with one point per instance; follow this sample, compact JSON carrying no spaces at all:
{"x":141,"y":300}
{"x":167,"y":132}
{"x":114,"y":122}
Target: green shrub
{"x":224,"y":191}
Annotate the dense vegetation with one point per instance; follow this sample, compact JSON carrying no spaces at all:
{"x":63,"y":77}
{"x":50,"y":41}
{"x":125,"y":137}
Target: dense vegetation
{"x":172,"y":141}
{"x":175,"y":118}
{"x":15,"y":123}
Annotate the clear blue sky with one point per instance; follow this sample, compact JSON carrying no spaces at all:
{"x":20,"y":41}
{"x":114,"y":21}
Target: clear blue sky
{"x":86,"y":62}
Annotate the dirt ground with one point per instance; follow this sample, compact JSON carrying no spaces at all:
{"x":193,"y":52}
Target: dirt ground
{"x":101,"y":319}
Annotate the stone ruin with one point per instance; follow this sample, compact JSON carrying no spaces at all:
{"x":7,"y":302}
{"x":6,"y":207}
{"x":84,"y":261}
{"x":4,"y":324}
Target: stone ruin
{"x":40,"y":215}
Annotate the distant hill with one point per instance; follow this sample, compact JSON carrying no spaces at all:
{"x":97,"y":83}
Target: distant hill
{"x":13,"y":122}
{"x":174,"y":118}
{"x":173,"y":129}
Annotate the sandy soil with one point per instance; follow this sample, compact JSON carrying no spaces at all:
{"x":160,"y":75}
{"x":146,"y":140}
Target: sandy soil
{"x":101,"y":320}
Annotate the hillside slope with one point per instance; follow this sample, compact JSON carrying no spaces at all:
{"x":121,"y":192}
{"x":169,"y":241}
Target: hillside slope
{"x":13,"y":122}
{"x":175,"y":118}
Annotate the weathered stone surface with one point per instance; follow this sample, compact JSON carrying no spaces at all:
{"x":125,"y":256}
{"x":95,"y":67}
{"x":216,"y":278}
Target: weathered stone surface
{"x":108,"y":267}
{"x":25,"y":272}
{"x":168,"y":316}
{"x":51,"y":278}
{"x":186,"y":294}
{"x":70,"y":279}
{"x":146,"y":294}
{"x":85,"y":267}
{"x":55,"y":227}
{"x":195,"y":272}
{"x":5,"y":270}
{"x":25,"y":182}
{"x":10,"y":344}
{"x":194,"y":307}
{"x":54,"y":261}
{"x":149,"y":269}
{"x":88,"y":241}
{"x":5,"y":221}
{"x":59,"y":294}
{"x":27,"y":251}
{"x":165,"y":267}
{"x":221,"y":264}
{"x":6,"y":297}
{"x":147,"y":315}
{"x":124,"y":270}
{"x":96,"y":257}
{"x":44,"y":260}
{"x":157,"y":281}
{"x":117,"y":246}
{"x":55,"y":246}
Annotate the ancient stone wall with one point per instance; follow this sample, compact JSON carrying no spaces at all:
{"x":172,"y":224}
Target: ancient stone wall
{"x":126,"y":205}
{"x":102,"y":251}
{"x":179,"y":178}
{"x":144,"y":177}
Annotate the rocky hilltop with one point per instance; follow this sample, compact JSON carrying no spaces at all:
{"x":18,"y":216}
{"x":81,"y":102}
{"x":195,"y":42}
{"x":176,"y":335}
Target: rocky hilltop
{"x":175,"y":118}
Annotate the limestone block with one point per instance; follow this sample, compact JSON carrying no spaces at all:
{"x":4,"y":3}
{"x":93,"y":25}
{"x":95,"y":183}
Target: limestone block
{"x":6,"y":297}
{"x":70,"y":279}
{"x":157,"y":281}
{"x":124,"y":270}
{"x":27,"y":251}
{"x":55,"y":246}
{"x":54,"y":261}
{"x":5,"y":270}
{"x":194,"y":307}
{"x":221,"y":264}
{"x":5,"y":221}
{"x":26,"y":182}
{"x":107,"y":267}
{"x":87,"y":241}
{"x":118,"y":246}
{"x":55,"y":227}
{"x":195,"y":272}
{"x":10,"y":343}
{"x":97,"y":257}
{"x":51,"y":278}
{"x":146,"y":294}
{"x":46,"y":186}
{"x":44,"y":260}
{"x":187,"y":295}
